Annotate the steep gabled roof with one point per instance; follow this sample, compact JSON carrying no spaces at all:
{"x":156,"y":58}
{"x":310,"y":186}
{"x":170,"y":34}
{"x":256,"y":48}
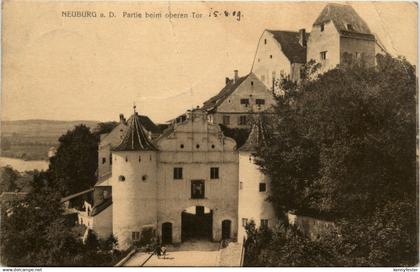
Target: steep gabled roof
{"x":223,"y":94}
{"x":101,"y":207}
{"x":149,"y":125}
{"x":67,"y":198}
{"x":255,"y":137}
{"x":289,"y":42}
{"x":135,"y":139}
{"x":342,"y":16}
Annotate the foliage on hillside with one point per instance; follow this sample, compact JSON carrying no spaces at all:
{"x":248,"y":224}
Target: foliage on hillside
{"x":240,"y":135}
{"x":342,"y":145}
{"x":8,"y":178}
{"x":35,"y":232}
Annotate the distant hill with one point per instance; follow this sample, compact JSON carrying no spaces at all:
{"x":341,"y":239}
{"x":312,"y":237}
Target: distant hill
{"x":31,"y":139}
{"x":42,"y":128}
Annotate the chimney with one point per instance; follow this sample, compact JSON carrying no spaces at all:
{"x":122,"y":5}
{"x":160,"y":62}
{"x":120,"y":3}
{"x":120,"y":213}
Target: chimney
{"x":227,"y":80}
{"x":302,"y":37}
{"x":236,"y":77}
{"x":122,"y":119}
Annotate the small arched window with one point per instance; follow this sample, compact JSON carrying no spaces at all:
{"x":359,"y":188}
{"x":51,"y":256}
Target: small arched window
{"x":197,"y":146}
{"x":121,"y":178}
{"x":139,"y":158}
{"x":182,"y":146}
{"x":144,"y":178}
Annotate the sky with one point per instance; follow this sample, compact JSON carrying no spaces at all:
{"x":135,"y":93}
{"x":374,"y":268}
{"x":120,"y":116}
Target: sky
{"x":68,"y":68}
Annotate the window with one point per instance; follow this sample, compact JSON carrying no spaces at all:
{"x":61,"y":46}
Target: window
{"x":244,"y":222}
{"x":265,"y":41}
{"x":252,"y":83}
{"x":182,"y":146}
{"x":322,"y":27}
{"x":323,"y":55}
{"x":197,"y":146}
{"x":271,"y":56}
{"x":263,"y":187}
{"x":226,"y":120}
{"x":350,"y":27}
{"x":110,"y":158}
{"x":197,"y":189}
{"x":135,"y":235}
{"x":242,"y":120}
{"x":178,"y":173}
{"x":121,"y":178}
{"x":214,"y":172}
{"x":103,"y":160}
{"x":264,"y":223}
{"x":245,"y":101}
{"x":259,"y":101}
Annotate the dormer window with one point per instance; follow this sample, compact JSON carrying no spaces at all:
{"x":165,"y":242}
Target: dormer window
{"x":322,"y":27}
{"x":350,"y":27}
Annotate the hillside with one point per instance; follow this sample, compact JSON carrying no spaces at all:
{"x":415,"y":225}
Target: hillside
{"x":31,"y":139}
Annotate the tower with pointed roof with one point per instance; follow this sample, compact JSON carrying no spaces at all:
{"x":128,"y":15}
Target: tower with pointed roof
{"x":254,"y":186}
{"x":134,"y":170}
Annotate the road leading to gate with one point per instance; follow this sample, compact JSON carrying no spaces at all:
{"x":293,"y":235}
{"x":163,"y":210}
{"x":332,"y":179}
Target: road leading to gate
{"x":190,"y":253}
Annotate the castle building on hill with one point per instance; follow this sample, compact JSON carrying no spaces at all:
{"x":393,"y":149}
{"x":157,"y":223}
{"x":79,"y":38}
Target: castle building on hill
{"x":185,"y":178}
{"x":190,"y":180}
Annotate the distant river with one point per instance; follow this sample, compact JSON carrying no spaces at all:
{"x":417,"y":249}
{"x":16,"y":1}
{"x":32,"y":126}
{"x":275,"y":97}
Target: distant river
{"x":22,"y":166}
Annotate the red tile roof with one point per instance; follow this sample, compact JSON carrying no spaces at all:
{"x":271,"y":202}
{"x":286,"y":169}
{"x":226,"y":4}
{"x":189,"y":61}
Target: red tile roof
{"x":216,"y":100}
{"x":342,"y":16}
{"x":255,"y":136}
{"x":135,"y":138}
{"x":289,"y":42}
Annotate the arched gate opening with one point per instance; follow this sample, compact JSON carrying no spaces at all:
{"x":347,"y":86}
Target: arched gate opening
{"x":196,"y":223}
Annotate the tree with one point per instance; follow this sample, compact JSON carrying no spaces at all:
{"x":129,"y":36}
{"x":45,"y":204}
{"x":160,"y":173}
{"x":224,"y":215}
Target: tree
{"x":342,"y":145}
{"x":35,"y":232}
{"x":8,"y":179}
{"x":74,"y":166}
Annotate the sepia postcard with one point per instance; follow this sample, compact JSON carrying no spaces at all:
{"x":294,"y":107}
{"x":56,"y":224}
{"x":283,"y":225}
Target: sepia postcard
{"x":209,"y":134}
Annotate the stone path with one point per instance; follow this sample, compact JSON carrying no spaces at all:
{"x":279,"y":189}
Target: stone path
{"x":231,"y":255}
{"x":191,"y":253}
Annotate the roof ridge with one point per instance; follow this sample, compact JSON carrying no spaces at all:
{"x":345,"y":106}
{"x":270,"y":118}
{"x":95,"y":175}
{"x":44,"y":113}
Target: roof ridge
{"x":135,"y":139}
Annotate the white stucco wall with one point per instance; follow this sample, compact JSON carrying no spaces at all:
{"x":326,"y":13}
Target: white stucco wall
{"x":107,"y":142}
{"x":134,"y":200}
{"x":102,"y":223}
{"x":269,"y":60}
{"x":215,"y":150}
{"x":327,"y":40}
{"x":251,"y":88}
{"x":252,"y":202}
